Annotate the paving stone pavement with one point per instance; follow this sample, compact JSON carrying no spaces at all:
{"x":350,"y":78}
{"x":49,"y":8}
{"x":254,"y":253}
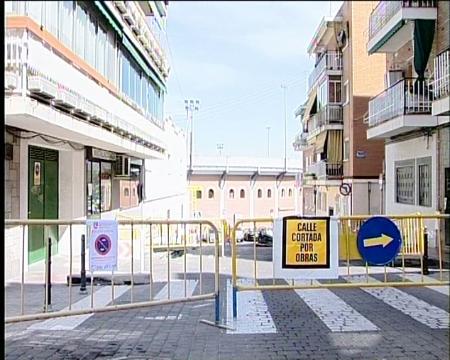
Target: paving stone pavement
{"x":299,"y":330}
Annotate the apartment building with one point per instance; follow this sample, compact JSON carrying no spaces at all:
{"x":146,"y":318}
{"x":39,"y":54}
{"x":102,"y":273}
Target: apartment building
{"x":85,"y":133}
{"x":411,"y":114}
{"x":341,"y":167}
{"x":230,"y":188}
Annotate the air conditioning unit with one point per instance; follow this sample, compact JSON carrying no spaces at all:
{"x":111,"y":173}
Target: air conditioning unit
{"x":65,"y":99}
{"x":41,"y":87}
{"x":122,"y":166}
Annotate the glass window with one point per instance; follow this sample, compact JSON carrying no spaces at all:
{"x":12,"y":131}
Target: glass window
{"x":96,"y":188}
{"x":100,"y":51}
{"x":425,"y":181}
{"x":111,"y":58}
{"x":346,"y":149}
{"x":334,"y":90}
{"x":259,"y":193}
{"x":106,"y":186}
{"x":51,"y":17}
{"x":89,"y":54}
{"x":404,"y":175}
{"x":79,"y":31}
{"x":231,"y":194}
{"x":66,"y":14}
{"x":269,"y":193}
{"x":198,"y":194}
{"x":290,"y":193}
{"x":35,"y":9}
{"x":211,"y":194}
{"x":242,"y":194}
{"x":282,"y":193}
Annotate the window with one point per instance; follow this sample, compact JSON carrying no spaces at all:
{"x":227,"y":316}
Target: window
{"x":211,"y":194}
{"x":259,"y":193}
{"x":126,"y":192}
{"x":269,"y":193}
{"x":346,"y":93}
{"x":322,"y":95}
{"x":51,"y":17}
{"x":290,"y":193}
{"x":425,"y":180}
{"x":79,"y":30}
{"x":404,"y":180}
{"x":242,"y":194}
{"x":111,"y":58}
{"x":66,"y":15}
{"x":34,"y":10}
{"x":198,"y":194}
{"x":231,"y":194}
{"x":334,"y":89}
{"x":282,"y":193}
{"x":106,"y":186}
{"x":101,"y":50}
{"x":346,"y":149}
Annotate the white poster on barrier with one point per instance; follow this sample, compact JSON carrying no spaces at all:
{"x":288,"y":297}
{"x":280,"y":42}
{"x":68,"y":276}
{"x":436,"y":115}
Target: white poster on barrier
{"x":103,"y":247}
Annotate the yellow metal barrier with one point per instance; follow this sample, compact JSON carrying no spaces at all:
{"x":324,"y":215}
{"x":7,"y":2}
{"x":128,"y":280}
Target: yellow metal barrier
{"x":150,"y":224}
{"x":412,"y":230}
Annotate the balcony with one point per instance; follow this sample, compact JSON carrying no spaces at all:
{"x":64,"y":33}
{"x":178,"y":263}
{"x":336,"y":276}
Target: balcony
{"x":325,"y":170}
{"x":328,"y":118}
{"x":300,"y":143}
{"x":441,"y":84}
{"x":330,"y":62}
{"x":403,"y":107}
{"x":390,"y":25}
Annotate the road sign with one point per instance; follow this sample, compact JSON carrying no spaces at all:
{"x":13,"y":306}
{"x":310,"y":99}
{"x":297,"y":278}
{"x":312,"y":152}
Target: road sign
{"x":103,"y":247}
{"x":379,"y":240}
{"x":303,"y":248}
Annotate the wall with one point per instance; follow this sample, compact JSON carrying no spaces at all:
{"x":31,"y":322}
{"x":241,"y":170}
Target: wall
{"x":12,"y":179}
{"x":443,"y":23}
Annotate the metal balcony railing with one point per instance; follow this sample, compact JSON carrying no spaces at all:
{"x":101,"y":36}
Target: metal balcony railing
{"x":331,"y":60}
{"x":329,"y":115}
{"x":300,"y":141}
{"x":385,"y":10}
{"x":324,"y":168}
{"x":441,"y":83}
{"x":407,"y":96}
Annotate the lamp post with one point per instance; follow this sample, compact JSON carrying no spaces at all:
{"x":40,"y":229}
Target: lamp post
{"x":220,"y":148}
{"x":268,"y":140}
{"x":284,"y":87}
{"x":191,"y":106}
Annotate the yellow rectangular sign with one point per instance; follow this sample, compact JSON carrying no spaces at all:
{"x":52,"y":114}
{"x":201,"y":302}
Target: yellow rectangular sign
{"x":306,"y":243}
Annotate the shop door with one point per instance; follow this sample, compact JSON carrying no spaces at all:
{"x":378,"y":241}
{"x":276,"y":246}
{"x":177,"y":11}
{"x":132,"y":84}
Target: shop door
{"x":42,"y":200}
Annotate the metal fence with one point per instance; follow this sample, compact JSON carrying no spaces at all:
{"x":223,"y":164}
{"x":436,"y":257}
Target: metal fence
{"x":414,"y":245}
{"x":160,"y":240}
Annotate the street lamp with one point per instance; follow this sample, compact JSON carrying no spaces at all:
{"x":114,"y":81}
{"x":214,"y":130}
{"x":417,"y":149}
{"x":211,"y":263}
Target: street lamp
{"x":268,"y":139}
{"x":284,"y":87}
{"x":191,"y":106}
{"x":220,"y":148}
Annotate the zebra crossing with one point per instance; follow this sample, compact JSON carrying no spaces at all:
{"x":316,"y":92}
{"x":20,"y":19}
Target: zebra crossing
{"x":254,"y":314}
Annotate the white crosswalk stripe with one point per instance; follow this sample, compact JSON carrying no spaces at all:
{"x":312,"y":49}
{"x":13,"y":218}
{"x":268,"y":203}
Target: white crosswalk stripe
{"x":418,"y":309}
{"x":444,"y":289}
{"x":336,"y":314}
{"x":253,"y":313}
{"x":102,"y":297}
{"x":176,"y":289}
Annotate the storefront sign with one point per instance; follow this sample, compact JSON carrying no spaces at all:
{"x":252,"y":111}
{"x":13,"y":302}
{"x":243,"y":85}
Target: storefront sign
{"x":103,"y":245}
{"x":304,"y":247}
{"x":93,"y":153}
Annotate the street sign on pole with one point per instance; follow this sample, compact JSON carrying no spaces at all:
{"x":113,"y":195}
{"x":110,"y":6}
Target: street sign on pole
{"x":379,"y":240}
{"x":305,"y":247}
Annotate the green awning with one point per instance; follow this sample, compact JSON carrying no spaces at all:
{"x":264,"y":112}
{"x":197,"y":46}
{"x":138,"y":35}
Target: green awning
{"x":108,"y":17}
{"x":386,"y":37}
{"x":138,"y":58}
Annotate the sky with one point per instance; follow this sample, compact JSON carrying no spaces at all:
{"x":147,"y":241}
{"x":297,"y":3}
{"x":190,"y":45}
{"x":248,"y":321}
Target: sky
{"x":233,"y":57}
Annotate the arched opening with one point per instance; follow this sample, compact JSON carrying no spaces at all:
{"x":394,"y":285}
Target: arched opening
{"x":211,"y":194}
{"x":242,"y":194}
{"x":259,"y":193}
{"x":198,"y":194}
{"x":269,"y":193}
{"x":231,"y":194}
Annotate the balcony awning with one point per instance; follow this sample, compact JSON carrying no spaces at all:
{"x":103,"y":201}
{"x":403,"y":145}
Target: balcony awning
{"x":334,"y":146}
{"x":310,"y":103}
{"x":320,"y":142}
{"x":108,"y":17}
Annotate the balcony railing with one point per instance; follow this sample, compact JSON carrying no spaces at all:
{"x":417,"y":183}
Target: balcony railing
{"x":385,"y":10}
{"x":331,"y":60}
{"x":300,"y":141}
{"x":329,"y":115}
{"x":407,"y":96}
{"x":323,"y":169}
{"x":441,"y":83}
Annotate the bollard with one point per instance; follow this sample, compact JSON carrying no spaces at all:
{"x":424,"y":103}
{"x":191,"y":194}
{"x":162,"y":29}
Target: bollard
{"x":83,"y":266}
{"x":49,"y":272}
{"x":425,"y":252}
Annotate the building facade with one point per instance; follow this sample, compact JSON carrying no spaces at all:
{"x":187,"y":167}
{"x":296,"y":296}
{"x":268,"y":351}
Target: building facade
{"x":231,"y":188}
{"x":85,"y":133}
{"x":332,"y":137}
{"x":411,"y":114}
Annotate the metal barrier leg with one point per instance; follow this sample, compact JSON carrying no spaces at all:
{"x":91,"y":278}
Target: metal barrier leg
{"x":234,"y":303}
{"x":49,"y":273}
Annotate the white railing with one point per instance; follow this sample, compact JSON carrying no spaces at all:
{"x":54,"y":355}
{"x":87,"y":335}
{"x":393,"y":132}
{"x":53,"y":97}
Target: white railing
{"x":300,"y":141}
{"x":323,"y":168}
{"x":329,"y":115}
{"x":407,"y":96}
{"x":331,"y":60}
{"x":441,"y":83}
{"x":385,"y":10}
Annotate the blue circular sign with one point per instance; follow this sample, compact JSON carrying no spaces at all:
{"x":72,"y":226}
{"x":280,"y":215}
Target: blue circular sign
{"x":379,"y":240}
{"x":103,"y":244}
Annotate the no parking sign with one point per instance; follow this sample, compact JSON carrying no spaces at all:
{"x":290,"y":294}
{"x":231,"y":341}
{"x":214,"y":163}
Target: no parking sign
{"x":103,"y":245}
